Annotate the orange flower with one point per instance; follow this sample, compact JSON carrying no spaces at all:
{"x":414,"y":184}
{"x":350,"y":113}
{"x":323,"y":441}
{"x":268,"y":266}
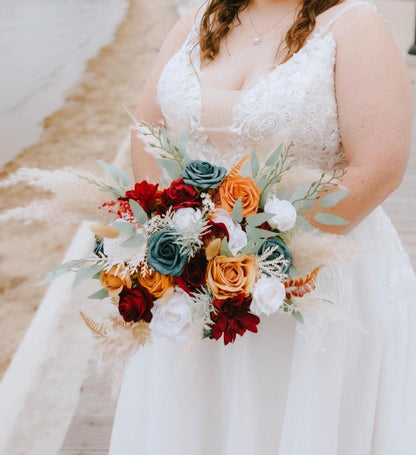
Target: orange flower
{"x":115,"y":279}
{"x":234,"y":187}
{"x":228,"y":276}
{"x":156,"y":283}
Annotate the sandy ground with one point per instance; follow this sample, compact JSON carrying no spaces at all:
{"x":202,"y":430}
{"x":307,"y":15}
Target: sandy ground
{"x":91,"y":125}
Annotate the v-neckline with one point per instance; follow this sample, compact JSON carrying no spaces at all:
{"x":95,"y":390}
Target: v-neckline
{"x":319,"y":34}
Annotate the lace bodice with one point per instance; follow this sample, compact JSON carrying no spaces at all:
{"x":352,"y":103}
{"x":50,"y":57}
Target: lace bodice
{"x":295,"y":102}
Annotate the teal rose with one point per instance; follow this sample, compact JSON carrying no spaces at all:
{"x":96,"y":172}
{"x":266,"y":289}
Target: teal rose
{"x":164,"y":254}
{"x":279,"y":249}
{"x":203,"y":175}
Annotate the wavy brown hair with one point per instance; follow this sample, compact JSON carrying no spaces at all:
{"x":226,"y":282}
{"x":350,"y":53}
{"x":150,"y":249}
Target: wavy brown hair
{"x":218,"y":17}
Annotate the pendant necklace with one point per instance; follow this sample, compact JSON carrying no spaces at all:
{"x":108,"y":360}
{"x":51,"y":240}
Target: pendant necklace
{"x":258,"y":39}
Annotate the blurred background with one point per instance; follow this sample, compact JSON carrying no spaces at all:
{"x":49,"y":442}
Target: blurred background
{"x":69,"y":70}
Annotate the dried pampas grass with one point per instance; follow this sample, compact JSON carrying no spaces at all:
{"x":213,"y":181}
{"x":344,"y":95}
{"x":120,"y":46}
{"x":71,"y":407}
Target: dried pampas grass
{"x":314,"y":249}
{"x":74,"y":198}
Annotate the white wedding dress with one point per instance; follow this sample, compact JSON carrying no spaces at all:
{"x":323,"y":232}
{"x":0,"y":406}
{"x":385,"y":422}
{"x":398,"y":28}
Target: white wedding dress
{"x":270,"y":393}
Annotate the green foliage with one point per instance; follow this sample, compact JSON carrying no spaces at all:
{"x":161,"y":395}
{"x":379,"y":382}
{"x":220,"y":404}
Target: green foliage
{"x":119,"y":176}
{"x":138,"y":212}
{"x":237,"y":213}
{"x":330,"y":220}
{"x":99,"y":295}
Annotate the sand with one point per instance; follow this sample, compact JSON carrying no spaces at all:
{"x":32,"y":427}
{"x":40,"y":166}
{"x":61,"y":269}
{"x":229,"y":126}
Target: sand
{"x":91,"y":125}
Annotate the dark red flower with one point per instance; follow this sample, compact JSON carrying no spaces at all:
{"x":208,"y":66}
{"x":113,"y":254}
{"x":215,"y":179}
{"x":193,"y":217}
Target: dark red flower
{"x":135,"y":304}
{"x":193,"y":275}
{"x":144,"y":193}
{"x":215,"y":231}
{"x":232,"y":317}
{"x":180,"y":195}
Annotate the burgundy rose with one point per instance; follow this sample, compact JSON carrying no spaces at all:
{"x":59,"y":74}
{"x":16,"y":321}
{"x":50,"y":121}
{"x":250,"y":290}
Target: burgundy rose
{"x":180,"y":195}
{"x":215,"y":231}
{"x":232,"y":317}
{"x":193,"y":275}
{"x":144,"y":193}
{"x":135,"y":304}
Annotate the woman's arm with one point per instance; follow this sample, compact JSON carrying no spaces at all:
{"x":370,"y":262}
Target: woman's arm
{"x":374,"y":100}
{"x":148,"y":109}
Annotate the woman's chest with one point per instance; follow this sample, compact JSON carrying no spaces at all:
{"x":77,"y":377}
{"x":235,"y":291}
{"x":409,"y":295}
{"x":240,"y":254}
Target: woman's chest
{"x":295,"y":102}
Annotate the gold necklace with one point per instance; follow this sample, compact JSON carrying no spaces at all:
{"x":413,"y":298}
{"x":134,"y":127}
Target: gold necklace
{"x":258,"y":38}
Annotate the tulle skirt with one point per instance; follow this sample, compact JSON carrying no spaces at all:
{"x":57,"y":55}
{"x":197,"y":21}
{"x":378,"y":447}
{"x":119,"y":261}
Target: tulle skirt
{"x":327,"y":387}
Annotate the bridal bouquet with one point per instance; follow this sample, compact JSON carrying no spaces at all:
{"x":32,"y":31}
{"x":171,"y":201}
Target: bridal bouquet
{"x":208,"y":255}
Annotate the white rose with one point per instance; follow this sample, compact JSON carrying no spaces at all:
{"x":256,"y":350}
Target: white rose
{"x":172,"y":318}
{"x":268,"y":296}
{"x":238,"y":238}
{"x":284,"y":211}
{"x":187,"y":219}
{"x":118,"y":253}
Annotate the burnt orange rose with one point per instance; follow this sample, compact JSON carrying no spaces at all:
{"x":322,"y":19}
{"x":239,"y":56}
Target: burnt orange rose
{"x":235,"y":187}
{"x":156,"y":283}
{"x":228,"y":276}
{"x":115,"y":279}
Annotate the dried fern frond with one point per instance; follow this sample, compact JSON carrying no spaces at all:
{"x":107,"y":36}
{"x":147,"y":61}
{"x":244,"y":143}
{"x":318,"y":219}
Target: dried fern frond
{"x":141,"y":332}
{"x":97,"y":328}
{"x":118,"y":321}
{"x":236,"y":169}
{"x":298,"y":287}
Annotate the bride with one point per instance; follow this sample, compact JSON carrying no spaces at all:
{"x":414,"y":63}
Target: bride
{"x":326,"y":75}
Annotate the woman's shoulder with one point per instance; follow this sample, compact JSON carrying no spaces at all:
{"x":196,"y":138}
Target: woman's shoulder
{"x":185,"y":25}
{"x":354,"y":19}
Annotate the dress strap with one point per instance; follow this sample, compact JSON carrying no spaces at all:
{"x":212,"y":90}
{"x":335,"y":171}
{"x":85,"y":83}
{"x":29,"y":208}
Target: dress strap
{"x":347,"y":8}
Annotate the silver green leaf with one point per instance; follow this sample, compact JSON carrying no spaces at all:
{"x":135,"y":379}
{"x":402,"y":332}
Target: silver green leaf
{"x":332,"y":199}
{"x":172,"y":167}
{"x":99,"y":295}
{"x":298,"y":316}
{"x":237,"y":213}
{"x":272,"y":160}
{"x":138,"y":211}
{"x":330,"y":220}
{"x":259,"y":218}
{"x":123,"y":226}
{"x":133,"y":241}
{"x":85,"y":273}
{"x":119,"y":176}
{"x":255,"y":167}
{"x":225,"y":248}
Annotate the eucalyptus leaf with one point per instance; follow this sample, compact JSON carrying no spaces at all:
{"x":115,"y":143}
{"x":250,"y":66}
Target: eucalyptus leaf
{"x":225,"y":248}
{"x":264,"y":196}
{"x":303,"y":224}
{"x":308,"y":203}
{"x":245,"y":171}
{"x":262,"y":182}
{"x":299,"y":193}
{"x":85,"y":273}
{"x":52,"y":275}
{"x":119,"y":176}
{"x":172,"y":167}
{"x":182,"y":142}
{"x":255,"y":167}
{"x":99,"y":295}
{"x":332,"y":199}
{"x":133,"y":241}
{"x":272,"y":160}
{"x":138,"y":211}
{"x":330,"y":220}
{"x":256,"y":233}
{"x":123,"y":226}
{"x":237,"y":213}
{"x":298,"y":316}
{"x":259,"y":218}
